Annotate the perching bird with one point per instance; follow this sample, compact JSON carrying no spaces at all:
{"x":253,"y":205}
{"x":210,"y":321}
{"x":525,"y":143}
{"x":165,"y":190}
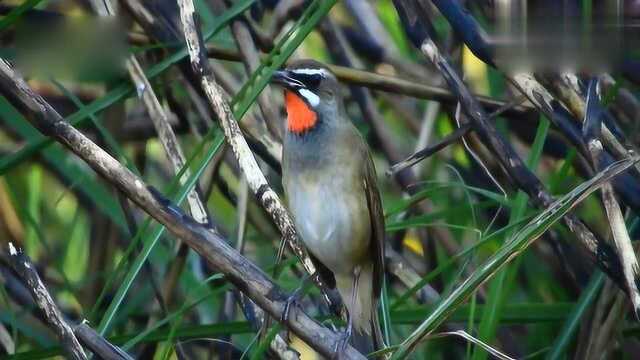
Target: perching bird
{"x":330,"y":186}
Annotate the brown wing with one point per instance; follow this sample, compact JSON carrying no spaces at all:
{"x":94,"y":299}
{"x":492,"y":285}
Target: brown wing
{"x":376,"y":216}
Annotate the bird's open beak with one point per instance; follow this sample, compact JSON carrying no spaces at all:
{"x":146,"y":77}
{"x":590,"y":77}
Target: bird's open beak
{"x":285,"y":78}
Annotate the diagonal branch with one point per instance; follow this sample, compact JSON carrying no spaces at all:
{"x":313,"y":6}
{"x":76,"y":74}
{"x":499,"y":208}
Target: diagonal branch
{"x":600,"y":252}
{"x":169,"y":141}
{"x":593,"y":131}
{"x":255,"y":178}
{"x":465,"y":26}
{"x":250,"y":56}
{"x":84,"y":333}
{"x":23,"y":267}
{"x":245,"y":275}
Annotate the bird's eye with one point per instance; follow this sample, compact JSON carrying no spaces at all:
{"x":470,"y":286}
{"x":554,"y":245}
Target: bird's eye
{"x":312,"y":81}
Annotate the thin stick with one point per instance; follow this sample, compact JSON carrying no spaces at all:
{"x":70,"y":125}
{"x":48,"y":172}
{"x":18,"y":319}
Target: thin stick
{"x":600,"y":252}
{"x":593,"y":127}
{"x":448,"y":140}
{"x":101,"y":347}
{"x":245,"y":275}
{"x":255,"y":178}
{"x":22,"y":265}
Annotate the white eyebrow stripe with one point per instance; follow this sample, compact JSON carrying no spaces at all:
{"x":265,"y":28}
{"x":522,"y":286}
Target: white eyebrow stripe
{"x":312,"y":98}
{"x":321,"y":72}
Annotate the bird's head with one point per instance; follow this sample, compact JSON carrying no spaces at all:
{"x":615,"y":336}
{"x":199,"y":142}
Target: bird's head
{"x":311,"y":95}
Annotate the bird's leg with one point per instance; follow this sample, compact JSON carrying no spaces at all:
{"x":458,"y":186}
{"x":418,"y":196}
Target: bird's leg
{"x":292,"y":300}
{"x":342,"y":344}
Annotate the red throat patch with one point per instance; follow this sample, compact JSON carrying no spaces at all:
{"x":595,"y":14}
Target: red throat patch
{"x":300,"y":117}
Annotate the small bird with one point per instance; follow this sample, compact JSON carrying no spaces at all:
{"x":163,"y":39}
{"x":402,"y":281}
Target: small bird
{"x":330,"y":185}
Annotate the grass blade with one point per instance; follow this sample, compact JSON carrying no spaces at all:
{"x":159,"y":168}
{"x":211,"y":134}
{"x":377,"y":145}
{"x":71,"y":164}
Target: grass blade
{"x":509,"y":251}
{"x":503,"y":282}
{"x":119,"y":92}
{"x":571,"y":325}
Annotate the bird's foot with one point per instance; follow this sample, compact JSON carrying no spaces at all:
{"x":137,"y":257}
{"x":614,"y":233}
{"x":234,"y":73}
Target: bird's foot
{"x":342,"y":343}
{"x":292,"y":300}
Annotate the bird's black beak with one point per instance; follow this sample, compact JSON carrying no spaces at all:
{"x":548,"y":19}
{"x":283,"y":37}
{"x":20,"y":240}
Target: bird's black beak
{"x":286,"y":79}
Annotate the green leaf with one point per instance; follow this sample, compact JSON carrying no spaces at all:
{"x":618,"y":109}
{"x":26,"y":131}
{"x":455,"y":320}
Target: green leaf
{"x":79,"y":176}
{"x":500,"y":287}
{"x":15,"y":14}
{"x":449,"y":263}
{"x":119,"y":92}
{"x":243,"y":101}
{"x":573,"y":321}
{"x":508,"y":252}
{"x":151,"y":241}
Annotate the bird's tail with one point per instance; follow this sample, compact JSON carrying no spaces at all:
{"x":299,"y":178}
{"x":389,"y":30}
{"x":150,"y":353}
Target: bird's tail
{"x":367,"y":334}
{"x":368,"y":342}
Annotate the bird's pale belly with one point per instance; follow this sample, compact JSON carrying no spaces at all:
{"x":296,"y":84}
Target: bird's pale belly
{"x":334,"y":224}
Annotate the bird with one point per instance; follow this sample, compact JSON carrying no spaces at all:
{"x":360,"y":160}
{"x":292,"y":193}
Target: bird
{"x":329,"y":181}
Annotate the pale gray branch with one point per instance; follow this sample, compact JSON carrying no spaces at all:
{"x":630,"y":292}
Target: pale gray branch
{"x":255,"y":178}
{"x":245,"y":275}
{"x":22,"y":265}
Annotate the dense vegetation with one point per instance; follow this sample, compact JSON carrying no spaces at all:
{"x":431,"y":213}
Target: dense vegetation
{"x":481,"y":259}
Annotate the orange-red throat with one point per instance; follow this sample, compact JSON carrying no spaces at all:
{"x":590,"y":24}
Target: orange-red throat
{"x":300,"y":116}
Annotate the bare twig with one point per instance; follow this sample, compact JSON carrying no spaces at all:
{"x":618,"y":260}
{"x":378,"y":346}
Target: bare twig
{"x":160,"y":121}
{"x":365,"y":15}
{"x":621,"y":240}
{"x":284,"y":11}
{"x":398,"y":267}
{"x":245,"y":275}
{"x":272,"y":149}
{"x":255,"y":178}
{"x":174,"y":153}
{"x":22,"y":265}
{"x":6,"y":340}
{"x":162,"y":26}
{"x":398,"y":85}
{"x":101,"y":347}
{"x":465,"y":335}
{"x":598,"y":250}
{"x":448,"y":140}
{"x":468,"y":29}
{"x":251,"y":59}
{"x":577,"y":104}
{"x":19,"y":291}
{"x":392,"y":84}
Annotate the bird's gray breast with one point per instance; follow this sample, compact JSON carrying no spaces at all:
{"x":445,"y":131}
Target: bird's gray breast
{"x":329,"y":206}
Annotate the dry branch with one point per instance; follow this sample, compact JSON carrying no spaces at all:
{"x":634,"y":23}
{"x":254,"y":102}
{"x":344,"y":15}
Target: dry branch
{"x":576,"y":102}
{"x":593,"y":127}
{"x":245,"y":275}
{"x":169,"y":141}
{"x":599,"y":252}
{"x":250,"y":56}
{"x":20,"y":291}
{"x":101,"y":347}
{"x":163,"y":26}
{"x":22,"y":265}
{"x":255,"y":178}
{"x":387,"y":83}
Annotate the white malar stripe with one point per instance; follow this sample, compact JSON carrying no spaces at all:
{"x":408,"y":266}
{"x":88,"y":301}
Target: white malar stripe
{"x":12,"y":249}
{"x":312,"y":98}
{"x":321,"y":72}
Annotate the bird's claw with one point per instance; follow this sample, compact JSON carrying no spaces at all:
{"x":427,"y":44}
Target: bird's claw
{"x":341,"y":345}
{"x":291,"y":301}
